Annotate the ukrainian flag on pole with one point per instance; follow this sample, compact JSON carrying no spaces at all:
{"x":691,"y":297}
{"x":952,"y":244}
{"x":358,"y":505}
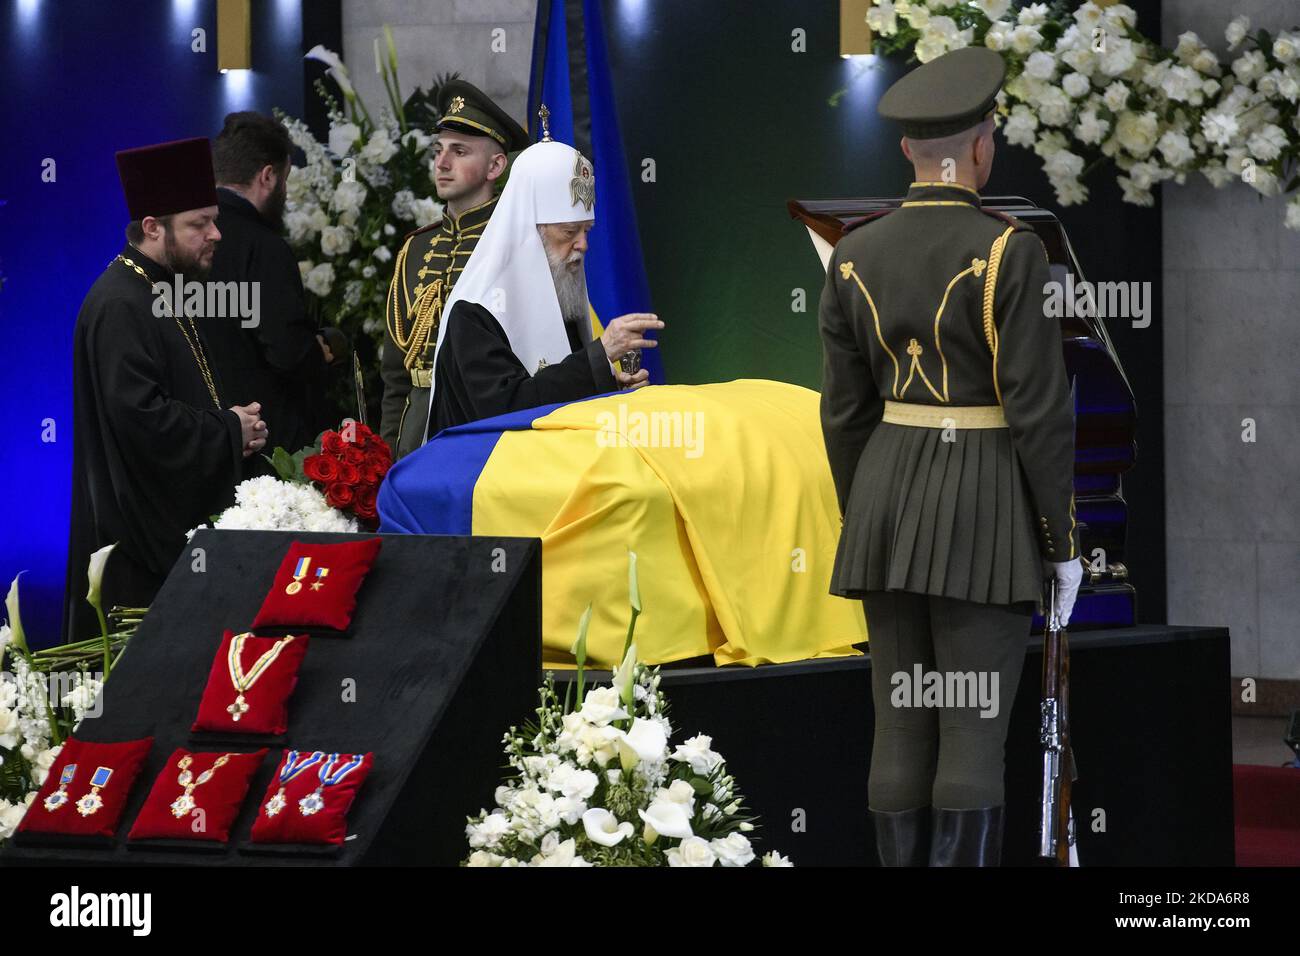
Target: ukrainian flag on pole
{"x":571,"y":76}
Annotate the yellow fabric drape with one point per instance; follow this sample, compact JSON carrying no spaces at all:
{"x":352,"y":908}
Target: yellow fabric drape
{"x":734,"y":522}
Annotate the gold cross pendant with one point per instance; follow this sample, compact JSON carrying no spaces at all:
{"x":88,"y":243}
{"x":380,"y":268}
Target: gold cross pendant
{"x":238,"y":708}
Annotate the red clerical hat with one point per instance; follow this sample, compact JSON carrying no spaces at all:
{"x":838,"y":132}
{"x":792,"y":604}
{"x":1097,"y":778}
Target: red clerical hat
{"x":167,"y":178}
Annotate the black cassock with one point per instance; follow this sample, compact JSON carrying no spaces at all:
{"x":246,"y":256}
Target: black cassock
{"x":153,"y":455}
{"x":278,"y":361}
{"x":478,"y":376}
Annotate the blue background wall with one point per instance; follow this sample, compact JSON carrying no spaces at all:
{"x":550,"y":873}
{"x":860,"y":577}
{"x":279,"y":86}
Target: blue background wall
{"x":80,"y":79}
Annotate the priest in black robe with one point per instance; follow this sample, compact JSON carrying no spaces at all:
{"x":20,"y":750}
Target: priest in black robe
{"x":156,"y":451}
{"x":516,"y":331}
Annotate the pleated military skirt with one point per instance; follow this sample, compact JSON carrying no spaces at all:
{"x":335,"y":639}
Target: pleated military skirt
{"x":950,"y":518}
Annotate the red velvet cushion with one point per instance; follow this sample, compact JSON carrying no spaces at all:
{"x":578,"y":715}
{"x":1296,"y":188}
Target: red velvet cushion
{"x":318,"y":601}
{"x":266,"y":701}
{"x":123,"y":759}
{"x":328,"y":824}
{"x":215,"y":802}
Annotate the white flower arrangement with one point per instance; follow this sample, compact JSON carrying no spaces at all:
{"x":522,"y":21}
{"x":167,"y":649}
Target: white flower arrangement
{"x":356,"y":195}
{"x":266,"y":503}
{"x":1112,"y":93}
{"x":598,"y":784}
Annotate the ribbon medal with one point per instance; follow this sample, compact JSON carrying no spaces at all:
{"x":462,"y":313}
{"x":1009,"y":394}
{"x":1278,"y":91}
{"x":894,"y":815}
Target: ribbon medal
{"x":314,"y":802}
{"x":321,"y":575}
{"x":92,"y":801}
{"x":59,"y":797}
{"x":294,"y":764}
{"x":299,"y":572}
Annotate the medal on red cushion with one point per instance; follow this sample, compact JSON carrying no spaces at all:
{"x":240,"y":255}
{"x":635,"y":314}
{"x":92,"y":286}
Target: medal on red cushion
{"x":185,"y":802}
{"x":321,"y":574}
{"x":92,"y":801}
{"x":299,"y":572}
{"x":59,"y":797}
{"x":328,"y":775}
{"x":242,"y":680}
{"x":294,"y":764}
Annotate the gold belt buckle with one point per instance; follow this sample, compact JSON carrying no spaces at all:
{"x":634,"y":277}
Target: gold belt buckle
{"x":421,"y":377}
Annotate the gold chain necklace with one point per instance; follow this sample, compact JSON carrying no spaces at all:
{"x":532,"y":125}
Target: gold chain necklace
{"x":195,"y":343}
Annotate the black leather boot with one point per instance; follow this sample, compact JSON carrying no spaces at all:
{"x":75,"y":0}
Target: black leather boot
{"x":902,"y":836}
{"x":967,"y":837}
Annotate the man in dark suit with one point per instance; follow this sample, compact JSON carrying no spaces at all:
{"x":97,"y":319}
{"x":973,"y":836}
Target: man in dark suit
{"x":276,"y":356}
{"x":949,"y":428}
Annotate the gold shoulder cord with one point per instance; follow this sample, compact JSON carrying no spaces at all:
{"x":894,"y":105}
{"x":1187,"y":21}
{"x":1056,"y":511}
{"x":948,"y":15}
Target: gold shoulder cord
{"x":426,"y":313}
{"x":191,"y":335}
{"x":990,"y":287}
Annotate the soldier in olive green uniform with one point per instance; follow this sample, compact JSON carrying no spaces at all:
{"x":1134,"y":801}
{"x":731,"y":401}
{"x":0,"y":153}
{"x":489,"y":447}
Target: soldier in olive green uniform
{"x":949,"y":428}
{"x":475,"y":135}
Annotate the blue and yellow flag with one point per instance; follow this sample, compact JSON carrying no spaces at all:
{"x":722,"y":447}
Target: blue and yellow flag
{"x":571,"y":76}
{"x":723,"y":491}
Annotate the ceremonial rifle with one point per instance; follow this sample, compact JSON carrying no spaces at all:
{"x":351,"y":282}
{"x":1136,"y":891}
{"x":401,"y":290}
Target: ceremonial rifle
{"x":1056,"y":823}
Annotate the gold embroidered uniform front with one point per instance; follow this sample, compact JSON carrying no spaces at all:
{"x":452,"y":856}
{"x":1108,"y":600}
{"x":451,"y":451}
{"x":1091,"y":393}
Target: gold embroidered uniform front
{"x":946,"y":411}
{"x":427,"y":267}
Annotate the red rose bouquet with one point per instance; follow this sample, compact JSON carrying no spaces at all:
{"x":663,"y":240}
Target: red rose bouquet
{"x":348,"y":469}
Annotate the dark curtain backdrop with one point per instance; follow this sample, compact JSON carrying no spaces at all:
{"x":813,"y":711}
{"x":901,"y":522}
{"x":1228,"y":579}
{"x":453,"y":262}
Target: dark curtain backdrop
{"x":80,"y":79}
{"x":737,"y":123}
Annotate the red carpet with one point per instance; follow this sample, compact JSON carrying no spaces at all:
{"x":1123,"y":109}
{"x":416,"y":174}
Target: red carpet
{"x":1266,"y":801}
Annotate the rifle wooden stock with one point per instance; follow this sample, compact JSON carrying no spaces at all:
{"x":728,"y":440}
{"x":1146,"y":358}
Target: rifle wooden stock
{"x":1054,"y":734}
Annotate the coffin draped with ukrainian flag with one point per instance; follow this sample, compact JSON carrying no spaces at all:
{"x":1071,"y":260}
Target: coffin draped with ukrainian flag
{"x":722,"y":490}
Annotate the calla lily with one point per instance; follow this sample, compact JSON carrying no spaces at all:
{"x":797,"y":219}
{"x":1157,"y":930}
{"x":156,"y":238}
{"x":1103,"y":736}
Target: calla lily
{"x":16,"y":636}
{"x":603,"y":827}
{"x":647,"y":739}
{"x":668,"y":818}
{"x":623,"y":676}
{"x":328,"y":57}
{"x":633,"y":588}
{"x":95,"y":573}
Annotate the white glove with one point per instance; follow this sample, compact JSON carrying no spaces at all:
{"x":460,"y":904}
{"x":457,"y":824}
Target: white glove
{"x":1069,"y":575}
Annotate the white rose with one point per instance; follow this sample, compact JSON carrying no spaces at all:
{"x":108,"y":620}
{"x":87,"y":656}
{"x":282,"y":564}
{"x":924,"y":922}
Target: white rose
{"x":1076,"y":85}
{"x":335,"y":240}
{"x":998,"y":37}
{"x":1236,"y":31}
{"x":882,"y":18}
{"x":733,"y":850}
{"x":483,"y":858}
{"x":573,"y":782}
{"x":1267,"y":142}
{"x":692,"y":851}
{"x":1020,"y":126}
{"x":489,"y":832}
{"x":601,"y":705}
{"x":1116,"y":96}
{"x":1286,"y":48}
{"x":1219,"y":128}
{"x":342,"y":136}
{"x":1137,"y":132}
{"x":1206,"y":63}
{"x":1134,"y":195}
{"x":1249,"y":66}
{"x":402,"y":203}
{"x":604,"y":828}
{"x":380,"y":149}
{"x":1292,"y":220}
{"x":1119,"y":56}
{"x":1176,"y":149}
{"x":1091,"y":128}
{"x":1025,"y":38}
{"x":994,"y":9}
{"x":698,"y":753}
{"x":426,"y":211}
{"x":1033,"y":14}
{"x":1041,"y":66}
{"x":9,"y":734}
{"x":349,"y":196}
{"x":681,"y":793}
{"x":11,"y":814}
{"x":320,"y":279}
{"x":776,"y":859}
{"x":1054,"y":107}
